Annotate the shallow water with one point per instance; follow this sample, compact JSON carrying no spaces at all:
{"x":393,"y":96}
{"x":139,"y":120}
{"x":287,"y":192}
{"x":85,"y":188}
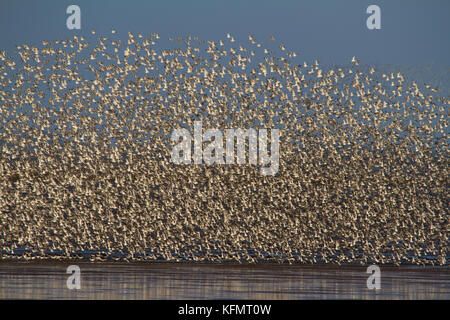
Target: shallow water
{"x":189,"y":281}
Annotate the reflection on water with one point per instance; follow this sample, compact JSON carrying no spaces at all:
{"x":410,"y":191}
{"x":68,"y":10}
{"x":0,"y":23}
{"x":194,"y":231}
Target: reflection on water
{"x":187,"y":281}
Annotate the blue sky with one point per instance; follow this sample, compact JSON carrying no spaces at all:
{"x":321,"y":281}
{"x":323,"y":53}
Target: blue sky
{"x":413,"y":32}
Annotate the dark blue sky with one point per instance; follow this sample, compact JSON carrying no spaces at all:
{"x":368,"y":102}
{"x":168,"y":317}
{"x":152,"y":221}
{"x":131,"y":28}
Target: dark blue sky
{"x":413,"y":32}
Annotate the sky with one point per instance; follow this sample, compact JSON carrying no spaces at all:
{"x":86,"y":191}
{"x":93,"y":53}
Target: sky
{"x":413,"y":32}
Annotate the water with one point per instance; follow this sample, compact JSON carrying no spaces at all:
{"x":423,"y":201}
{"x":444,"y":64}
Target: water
{"x":191,"y":281}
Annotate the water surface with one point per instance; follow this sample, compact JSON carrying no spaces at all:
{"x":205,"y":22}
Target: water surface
{"x":207,"y":281}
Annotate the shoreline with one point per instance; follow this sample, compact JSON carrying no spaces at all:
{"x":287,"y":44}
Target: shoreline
{"x":349,"y":267}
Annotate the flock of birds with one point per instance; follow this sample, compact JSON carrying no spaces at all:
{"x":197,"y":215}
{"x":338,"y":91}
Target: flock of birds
{"x":86,"y":171}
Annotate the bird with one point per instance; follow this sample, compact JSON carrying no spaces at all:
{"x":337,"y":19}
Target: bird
{"x":86,"y":167}
{"x":355,"y":61}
